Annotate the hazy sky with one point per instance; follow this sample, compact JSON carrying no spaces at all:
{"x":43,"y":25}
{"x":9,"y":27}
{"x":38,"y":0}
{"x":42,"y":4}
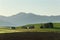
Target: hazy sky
{"x":40,"y":7}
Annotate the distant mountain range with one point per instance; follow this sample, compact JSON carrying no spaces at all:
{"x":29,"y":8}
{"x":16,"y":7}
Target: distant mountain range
{"x":26,"y":18}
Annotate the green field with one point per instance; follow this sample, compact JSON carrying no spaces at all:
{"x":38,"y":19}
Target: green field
{"x":36,"y":29}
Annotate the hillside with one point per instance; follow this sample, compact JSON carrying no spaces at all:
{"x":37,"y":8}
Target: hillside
{"x":36,"y":28}
{"x":56,"y":25}
{"x":27,"y":18}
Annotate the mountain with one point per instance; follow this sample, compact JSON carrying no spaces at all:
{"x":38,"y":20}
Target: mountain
{"x":26,"y":18}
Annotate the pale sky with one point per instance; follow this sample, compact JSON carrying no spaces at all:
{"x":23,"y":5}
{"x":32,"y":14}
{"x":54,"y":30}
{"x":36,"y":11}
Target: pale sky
{"x":39,"y":7}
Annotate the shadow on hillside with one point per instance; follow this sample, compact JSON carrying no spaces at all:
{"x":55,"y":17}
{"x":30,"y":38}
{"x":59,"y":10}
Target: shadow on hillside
{"x":30,"y":36}
{"x":57,"y":28}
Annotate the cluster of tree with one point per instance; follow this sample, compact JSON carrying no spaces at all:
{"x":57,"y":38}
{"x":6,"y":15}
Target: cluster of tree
{"x":13,"y":27}
{"x":47,"y":25}
{"x":28,"y":27}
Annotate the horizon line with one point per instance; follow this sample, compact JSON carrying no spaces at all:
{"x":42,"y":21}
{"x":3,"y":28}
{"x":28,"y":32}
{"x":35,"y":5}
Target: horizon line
{"x":28,"y":13}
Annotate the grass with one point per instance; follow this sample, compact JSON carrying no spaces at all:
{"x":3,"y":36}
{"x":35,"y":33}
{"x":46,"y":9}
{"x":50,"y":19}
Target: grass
{"x":36,"y":29}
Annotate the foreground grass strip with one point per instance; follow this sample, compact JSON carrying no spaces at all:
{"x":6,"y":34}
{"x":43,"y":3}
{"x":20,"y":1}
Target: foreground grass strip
{"x":28,"y":30}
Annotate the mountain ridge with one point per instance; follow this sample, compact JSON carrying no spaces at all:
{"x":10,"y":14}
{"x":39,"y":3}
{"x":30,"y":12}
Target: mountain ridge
{"x":27,"y":18}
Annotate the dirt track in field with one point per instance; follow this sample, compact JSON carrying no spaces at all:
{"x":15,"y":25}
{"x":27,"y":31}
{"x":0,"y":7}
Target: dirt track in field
{"x":30,"y":36}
